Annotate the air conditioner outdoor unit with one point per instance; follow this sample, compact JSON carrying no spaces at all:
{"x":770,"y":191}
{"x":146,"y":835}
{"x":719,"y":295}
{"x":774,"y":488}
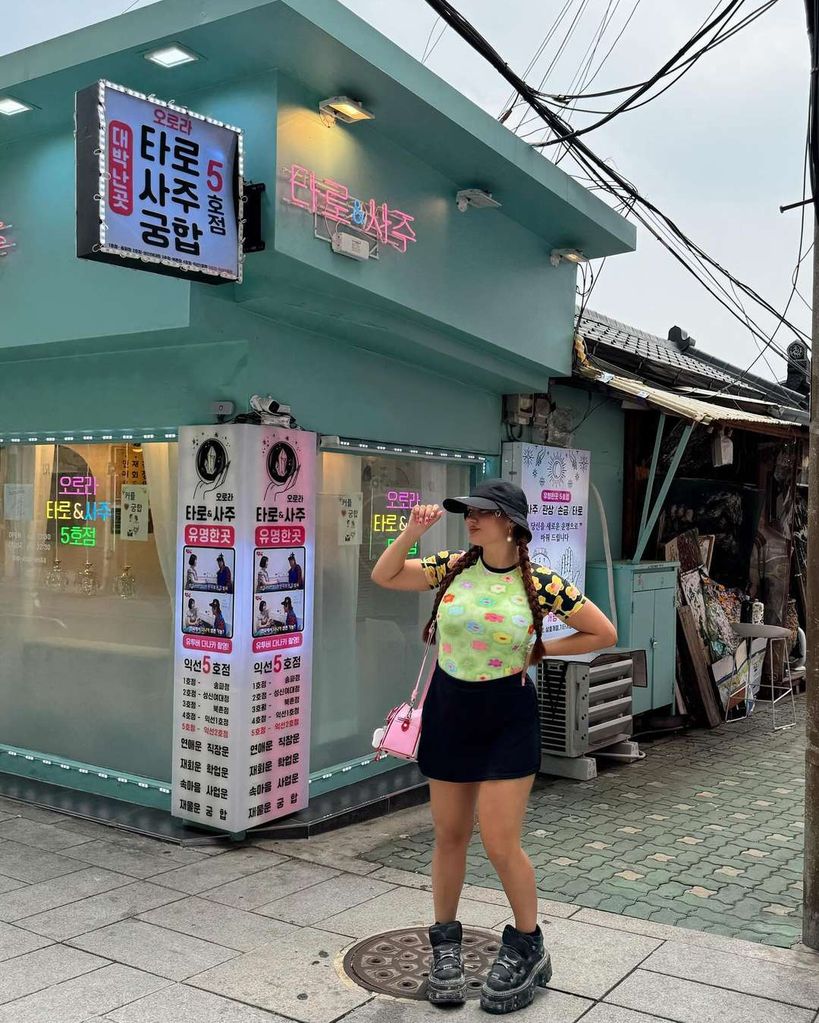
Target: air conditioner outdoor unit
{"x":585,"y":708}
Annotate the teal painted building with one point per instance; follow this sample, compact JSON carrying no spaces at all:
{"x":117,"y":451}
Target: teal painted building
{"x":411,"y":352}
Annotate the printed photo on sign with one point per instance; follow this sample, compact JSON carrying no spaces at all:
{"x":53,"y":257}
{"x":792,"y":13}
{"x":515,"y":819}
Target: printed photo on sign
{"x":274,"y":614}
{"x":279,"y":569}
{"x":202,"y":616}
{"x":209,"y":569}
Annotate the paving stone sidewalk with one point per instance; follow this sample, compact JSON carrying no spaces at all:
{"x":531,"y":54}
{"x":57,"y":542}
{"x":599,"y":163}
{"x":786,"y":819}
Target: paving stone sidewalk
{"x":100,"y":925}
{"x":705,"y":832}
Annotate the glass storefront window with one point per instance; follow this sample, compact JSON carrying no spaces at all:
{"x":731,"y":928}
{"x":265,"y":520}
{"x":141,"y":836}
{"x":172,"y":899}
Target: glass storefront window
{"x":87,"y":538}
{"x":368,"y":640}
{"x":87,"y":566}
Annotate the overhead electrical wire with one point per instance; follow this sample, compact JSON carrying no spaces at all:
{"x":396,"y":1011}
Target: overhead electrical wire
{"x":510,"y":103}
{"x":568,"y":101}
{"x":613,"y":181}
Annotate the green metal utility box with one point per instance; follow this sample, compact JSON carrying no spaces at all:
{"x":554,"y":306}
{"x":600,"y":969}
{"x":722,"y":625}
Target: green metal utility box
{"x":645,"y":596}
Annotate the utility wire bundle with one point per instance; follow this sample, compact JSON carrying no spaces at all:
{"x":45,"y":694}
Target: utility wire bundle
{"x":599,"y":175}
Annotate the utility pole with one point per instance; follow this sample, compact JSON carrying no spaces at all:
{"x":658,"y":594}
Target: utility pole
{"x":810,"y":920}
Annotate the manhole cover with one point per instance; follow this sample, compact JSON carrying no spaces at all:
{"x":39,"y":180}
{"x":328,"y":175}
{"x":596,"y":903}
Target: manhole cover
{"x":397,"y":963}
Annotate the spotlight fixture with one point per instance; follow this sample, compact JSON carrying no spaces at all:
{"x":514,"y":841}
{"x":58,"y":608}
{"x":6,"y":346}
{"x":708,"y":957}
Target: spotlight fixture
{"x":475,"y":198}
{"x":558,"y":256}
{"x":342,"y":108}
{"x":10,"y":106}
{"x":172,"y":56}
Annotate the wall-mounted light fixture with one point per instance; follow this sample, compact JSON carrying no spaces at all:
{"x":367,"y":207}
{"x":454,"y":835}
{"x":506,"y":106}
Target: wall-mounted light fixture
{"x":172,"y":56}
{"x":10,"y":106}
{"x":476,"y":199}
{"x":558,"y":256}
{"x":342,"y":108}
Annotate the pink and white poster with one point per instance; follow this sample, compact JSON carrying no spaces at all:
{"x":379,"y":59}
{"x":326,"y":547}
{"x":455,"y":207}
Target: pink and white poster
{"x":244,"y":624}
{"x":556,"y":483}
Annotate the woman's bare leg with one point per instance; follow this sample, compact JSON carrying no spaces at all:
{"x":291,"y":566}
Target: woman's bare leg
{"x":453,"y":813}
{"x":501,"y":810}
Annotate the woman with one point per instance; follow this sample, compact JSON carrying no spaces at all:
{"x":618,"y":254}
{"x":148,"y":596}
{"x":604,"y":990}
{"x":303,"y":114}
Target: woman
{"x":295,"y":575}
{"x":290,"y":620}
{"x":224,"y":580}
{"x":219,"y":626}
{"x":192,"y":619}
{"x":265,"y":621}
{"x":480,"y":737}
{"x":262,"y":576}
{"x":192,"y":575}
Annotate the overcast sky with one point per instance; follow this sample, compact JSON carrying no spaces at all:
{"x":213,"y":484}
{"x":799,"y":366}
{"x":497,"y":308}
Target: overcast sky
{"x":719,"y":152}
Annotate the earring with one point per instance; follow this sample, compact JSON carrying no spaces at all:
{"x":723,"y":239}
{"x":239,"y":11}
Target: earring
{"x":508,"y":537}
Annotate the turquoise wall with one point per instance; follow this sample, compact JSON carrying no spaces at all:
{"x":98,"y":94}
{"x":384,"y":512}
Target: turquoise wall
{"x":332,"y":389}
{"x":477,"y":279}
{"x":46,"y":293}
{"x":477,"y":272}
{"x":601,"y":434}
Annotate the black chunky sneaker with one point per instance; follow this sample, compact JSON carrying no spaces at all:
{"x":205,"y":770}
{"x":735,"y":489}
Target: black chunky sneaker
{"x":522,"y":963}
{"x":447,"y":981}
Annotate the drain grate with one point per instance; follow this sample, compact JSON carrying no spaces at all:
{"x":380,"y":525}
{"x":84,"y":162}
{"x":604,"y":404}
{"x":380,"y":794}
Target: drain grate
{"x":397,"y":963}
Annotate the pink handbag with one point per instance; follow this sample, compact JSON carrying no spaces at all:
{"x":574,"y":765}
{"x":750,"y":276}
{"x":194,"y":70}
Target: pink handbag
{"x":402,"y":730}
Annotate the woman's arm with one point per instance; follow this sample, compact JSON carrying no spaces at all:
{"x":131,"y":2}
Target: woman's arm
{"x":392,"y":570}
{"x":594,"y":632}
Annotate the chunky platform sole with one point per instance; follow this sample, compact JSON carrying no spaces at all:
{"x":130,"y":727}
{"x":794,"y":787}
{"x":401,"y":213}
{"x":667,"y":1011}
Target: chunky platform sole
{"x":498,"y":1002}
{"x":446,"y":994}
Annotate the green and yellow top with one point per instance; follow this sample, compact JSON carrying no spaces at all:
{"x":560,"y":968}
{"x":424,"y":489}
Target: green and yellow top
{"x":485,"y":625}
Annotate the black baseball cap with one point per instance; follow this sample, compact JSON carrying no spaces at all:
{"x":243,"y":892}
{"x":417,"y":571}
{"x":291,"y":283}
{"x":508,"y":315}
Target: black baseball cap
{"x":495,"y":495}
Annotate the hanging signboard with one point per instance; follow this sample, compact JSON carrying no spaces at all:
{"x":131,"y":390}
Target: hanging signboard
{"x":556,"y":484}
{"x":158,"y":187}
{"x":244,"y":624}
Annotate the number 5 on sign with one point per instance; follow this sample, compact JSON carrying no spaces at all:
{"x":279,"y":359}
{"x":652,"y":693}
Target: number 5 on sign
{"x":215,"y":180}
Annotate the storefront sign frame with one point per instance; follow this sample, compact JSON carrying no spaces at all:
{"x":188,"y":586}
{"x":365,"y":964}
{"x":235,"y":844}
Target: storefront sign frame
{"x":99,"y":175}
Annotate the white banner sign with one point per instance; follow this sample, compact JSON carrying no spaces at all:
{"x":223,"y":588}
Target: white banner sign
{"x":244,"y":624}
{"x":556,"y":483}
{"x":134,"y":513}
{"x":350,"y":521}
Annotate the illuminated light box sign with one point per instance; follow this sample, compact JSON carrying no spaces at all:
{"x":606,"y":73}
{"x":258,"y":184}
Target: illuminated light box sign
{"x":244,"y":624}
{"x":556,"y":483}
{"x":6,"y":243}
{"x":332,"y":206}
{"x":159,"y":188}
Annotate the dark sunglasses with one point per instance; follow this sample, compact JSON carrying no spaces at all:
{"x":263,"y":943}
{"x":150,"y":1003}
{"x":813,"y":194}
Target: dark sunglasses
{"x":480,"y":513}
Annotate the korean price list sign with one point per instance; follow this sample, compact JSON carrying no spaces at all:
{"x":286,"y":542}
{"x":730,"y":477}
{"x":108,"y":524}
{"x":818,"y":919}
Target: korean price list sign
{"x":246,"y":536}
{"x":157,"y":184}
{"x":556,"y":483}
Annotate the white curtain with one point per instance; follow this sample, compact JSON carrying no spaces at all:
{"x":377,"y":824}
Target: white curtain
{"x":161,"y":471}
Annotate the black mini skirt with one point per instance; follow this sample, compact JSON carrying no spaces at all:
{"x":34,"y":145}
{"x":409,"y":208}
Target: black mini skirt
{"x":479,"y":731}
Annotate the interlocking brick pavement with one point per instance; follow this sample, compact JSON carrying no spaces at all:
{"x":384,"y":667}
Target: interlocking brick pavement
{"x":705,"y":832}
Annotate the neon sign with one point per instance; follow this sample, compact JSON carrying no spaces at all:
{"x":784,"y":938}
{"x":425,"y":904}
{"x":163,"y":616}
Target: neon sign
{"x":6,"y":245}
{"x":388,"y":523}
{"x":62,"y":510}
{"x":328,"y":200}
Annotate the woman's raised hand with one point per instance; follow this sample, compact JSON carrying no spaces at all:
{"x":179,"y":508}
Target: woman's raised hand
{"x":422,"y":518}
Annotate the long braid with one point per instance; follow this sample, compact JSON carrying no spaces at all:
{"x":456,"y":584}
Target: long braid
{"x":538,"y":650}
{"x":465,"y":561}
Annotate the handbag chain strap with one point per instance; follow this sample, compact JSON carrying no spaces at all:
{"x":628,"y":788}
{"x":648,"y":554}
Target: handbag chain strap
{"x":427,"y":649}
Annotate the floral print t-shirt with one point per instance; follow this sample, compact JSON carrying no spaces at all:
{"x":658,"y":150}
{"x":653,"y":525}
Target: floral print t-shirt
{"x":485,"y":625}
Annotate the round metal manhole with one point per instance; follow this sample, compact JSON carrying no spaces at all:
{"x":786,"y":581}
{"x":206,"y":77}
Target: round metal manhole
{"x":397,"y":963}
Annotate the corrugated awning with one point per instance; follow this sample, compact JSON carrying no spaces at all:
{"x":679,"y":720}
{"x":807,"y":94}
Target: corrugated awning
{"x":693,"y":409}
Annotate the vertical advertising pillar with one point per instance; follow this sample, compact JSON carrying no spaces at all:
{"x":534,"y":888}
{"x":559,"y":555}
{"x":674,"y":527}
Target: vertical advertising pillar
{"x":244,"y":628}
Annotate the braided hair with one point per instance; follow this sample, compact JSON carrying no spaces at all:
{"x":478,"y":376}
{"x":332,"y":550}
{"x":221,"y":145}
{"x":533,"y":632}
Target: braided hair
{"x":471,"y":558}
{"x":538,"y":650}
